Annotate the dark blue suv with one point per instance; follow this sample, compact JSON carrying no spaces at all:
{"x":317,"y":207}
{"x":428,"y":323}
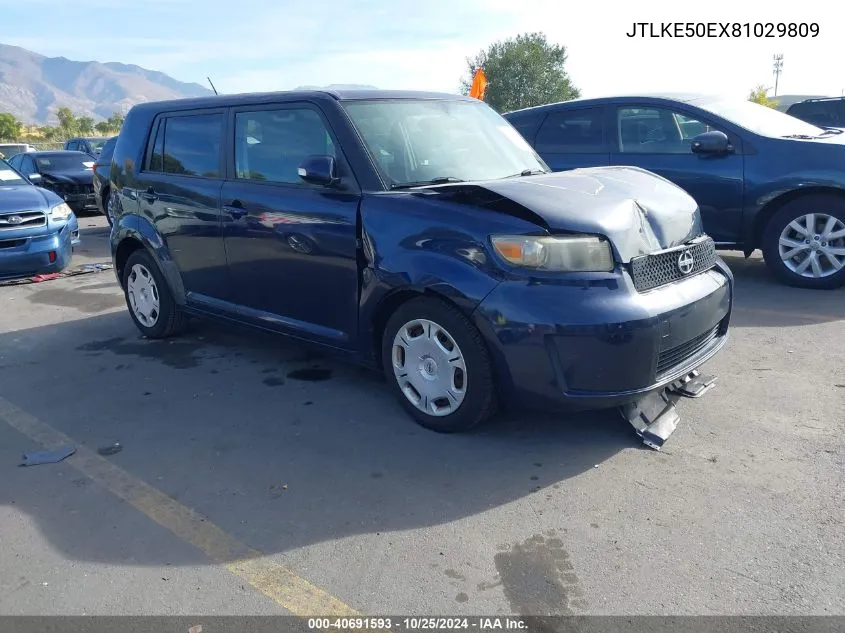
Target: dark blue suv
{"x":418,"y":233}
{"x":763,"y":179}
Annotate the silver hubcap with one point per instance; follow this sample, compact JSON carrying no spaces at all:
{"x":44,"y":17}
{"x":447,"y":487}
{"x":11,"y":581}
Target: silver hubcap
{"x":143,"y":295}
{"x":813,"y":245}
{"x":429,"y":367}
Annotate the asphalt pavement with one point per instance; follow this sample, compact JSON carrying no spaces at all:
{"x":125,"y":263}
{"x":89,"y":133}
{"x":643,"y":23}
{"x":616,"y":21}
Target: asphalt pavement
{"x":255,"y":477}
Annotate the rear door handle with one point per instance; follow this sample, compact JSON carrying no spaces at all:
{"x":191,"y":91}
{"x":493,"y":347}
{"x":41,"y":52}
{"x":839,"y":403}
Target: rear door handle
{"x":235,"y":211}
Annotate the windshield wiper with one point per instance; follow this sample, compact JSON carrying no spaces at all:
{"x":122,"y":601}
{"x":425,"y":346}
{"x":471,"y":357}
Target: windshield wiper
{"x":801,"y":136}
{"x":440,"y":180}
{"x":830,"y":130}
{"x":528,"y":172}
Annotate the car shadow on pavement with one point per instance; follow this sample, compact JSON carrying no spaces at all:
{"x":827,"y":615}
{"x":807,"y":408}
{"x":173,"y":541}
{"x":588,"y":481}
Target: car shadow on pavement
{"x":276,"y":445}
{"x":762,"y":301}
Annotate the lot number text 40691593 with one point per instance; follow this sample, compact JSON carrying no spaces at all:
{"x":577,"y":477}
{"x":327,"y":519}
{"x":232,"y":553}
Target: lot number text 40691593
{"x":723,"y":29}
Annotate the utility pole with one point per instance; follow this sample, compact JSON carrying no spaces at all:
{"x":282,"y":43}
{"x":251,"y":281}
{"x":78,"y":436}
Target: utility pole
{"x":778,"y":69}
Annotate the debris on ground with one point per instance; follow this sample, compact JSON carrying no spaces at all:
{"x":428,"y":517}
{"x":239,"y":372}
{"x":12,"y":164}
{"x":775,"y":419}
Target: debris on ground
{"x":278,"y":491}
{"x":82,"y":269}
{"x":112,"y":449}
{"x":47,"y":457}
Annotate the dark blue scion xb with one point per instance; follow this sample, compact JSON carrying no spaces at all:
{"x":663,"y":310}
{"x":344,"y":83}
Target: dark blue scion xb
{"x":418,"y":234}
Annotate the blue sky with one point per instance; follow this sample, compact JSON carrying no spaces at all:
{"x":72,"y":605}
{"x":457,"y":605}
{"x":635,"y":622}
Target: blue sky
{"x":253,"y":45}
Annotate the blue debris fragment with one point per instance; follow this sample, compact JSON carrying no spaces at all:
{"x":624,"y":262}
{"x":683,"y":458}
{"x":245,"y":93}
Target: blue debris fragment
{"x":47,"y":457}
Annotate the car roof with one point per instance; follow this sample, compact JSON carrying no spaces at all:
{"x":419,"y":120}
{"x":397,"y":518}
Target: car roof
{"x":291,"y":95}
{"x":818,"y":99}
{"x":657,"y":97}
{"x":55,"y":152}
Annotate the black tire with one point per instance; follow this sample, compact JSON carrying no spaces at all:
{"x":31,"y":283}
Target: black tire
{"x":170,"y":320}
{"x":827,"y":204}
{"x":106,"y":198}
{"x":480,"y":402}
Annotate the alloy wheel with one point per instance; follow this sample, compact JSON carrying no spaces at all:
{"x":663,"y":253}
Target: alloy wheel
{"x":813,"y":245}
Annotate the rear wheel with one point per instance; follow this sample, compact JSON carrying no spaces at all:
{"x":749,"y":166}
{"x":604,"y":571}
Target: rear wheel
{"x":804,"y":242}
{"x":149,"y":299}
{"x":438,"y":366}
{"x":108,"y":206}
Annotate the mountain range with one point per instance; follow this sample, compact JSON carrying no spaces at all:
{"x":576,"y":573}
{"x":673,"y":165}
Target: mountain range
{"x":33,"y":87}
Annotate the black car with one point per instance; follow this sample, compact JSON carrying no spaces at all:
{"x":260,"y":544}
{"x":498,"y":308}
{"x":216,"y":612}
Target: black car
{"x":824,"y":112}
{"x":91,"y":145}
{"x":763,"y":179}
{"x":419,"y":234}
{"x":69,"y":174}
{"x":101,"y":177}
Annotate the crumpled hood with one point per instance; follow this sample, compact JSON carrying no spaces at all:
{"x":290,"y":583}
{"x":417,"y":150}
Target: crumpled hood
{"x":637,"y":210}
{"x":26,"y":198}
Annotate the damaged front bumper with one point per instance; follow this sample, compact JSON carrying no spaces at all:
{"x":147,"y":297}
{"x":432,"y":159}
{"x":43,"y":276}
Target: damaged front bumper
{"x":654,"y":416}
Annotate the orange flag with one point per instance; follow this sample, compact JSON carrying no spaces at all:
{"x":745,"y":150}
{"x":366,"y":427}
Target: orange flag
{"x":479,"y":85}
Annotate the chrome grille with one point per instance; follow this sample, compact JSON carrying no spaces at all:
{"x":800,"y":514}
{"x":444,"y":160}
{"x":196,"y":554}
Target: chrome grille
{"x":22,"y":220}
{"x":675,"y":356}
{"x":658,"y":269}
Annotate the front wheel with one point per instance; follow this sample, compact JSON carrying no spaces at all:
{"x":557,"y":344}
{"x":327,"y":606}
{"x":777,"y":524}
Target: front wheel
{"x":438,"y":366}
{"x":804,"y":242}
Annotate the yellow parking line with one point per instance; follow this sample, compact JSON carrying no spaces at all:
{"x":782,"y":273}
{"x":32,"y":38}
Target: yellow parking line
{"x":279,"y":583}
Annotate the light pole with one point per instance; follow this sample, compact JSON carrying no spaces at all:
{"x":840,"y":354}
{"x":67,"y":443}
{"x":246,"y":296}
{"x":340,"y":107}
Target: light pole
{"x":778,"y":68}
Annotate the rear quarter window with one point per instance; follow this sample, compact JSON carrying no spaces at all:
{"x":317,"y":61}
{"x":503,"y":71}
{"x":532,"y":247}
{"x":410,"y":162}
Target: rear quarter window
{"x":526,"y":125}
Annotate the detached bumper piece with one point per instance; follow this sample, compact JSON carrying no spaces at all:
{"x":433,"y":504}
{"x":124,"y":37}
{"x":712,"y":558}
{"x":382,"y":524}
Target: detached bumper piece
{"x":654,"y":416}
{"x":693,"y":385}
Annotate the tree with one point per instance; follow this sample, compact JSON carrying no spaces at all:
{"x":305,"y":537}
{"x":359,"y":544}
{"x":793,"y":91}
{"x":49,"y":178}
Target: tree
{"x":85,"y":125}
{"x":103,"y":127}
{"x":760,"y":95}
{"x":522,"y":72}
{"x":115,"y":122}
{"x":67,"y":121}
{"x":10,"y":127}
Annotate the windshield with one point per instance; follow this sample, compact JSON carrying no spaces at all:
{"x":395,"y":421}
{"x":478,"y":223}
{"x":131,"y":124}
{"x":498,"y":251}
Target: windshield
{"x":97,"y":144}
{"x":419,"y":141}
{"x":69,"y":161}
{"x":761,"y":119}
{"x":9,"y":177}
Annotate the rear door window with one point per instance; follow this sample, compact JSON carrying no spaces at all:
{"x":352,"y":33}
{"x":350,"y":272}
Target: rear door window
{"x":572,"y":131}
{"x":188,"y":145}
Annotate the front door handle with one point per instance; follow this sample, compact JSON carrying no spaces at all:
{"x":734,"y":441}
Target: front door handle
{"x":235,"y":210}
{"x":150,"y":195}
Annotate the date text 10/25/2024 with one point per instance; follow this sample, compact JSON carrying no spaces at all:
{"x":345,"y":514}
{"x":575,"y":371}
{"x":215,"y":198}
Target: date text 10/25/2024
{"x":418,"y":624}
{"x":723,"y":29}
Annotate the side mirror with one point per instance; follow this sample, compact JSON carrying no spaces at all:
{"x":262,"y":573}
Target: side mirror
{"x":34,"y":178}
{"x":713,"y":142}
{"x":319,"y":170}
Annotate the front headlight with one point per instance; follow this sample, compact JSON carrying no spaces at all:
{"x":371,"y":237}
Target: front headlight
{"x":565,"y":253}
{"x":60,"y":212}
